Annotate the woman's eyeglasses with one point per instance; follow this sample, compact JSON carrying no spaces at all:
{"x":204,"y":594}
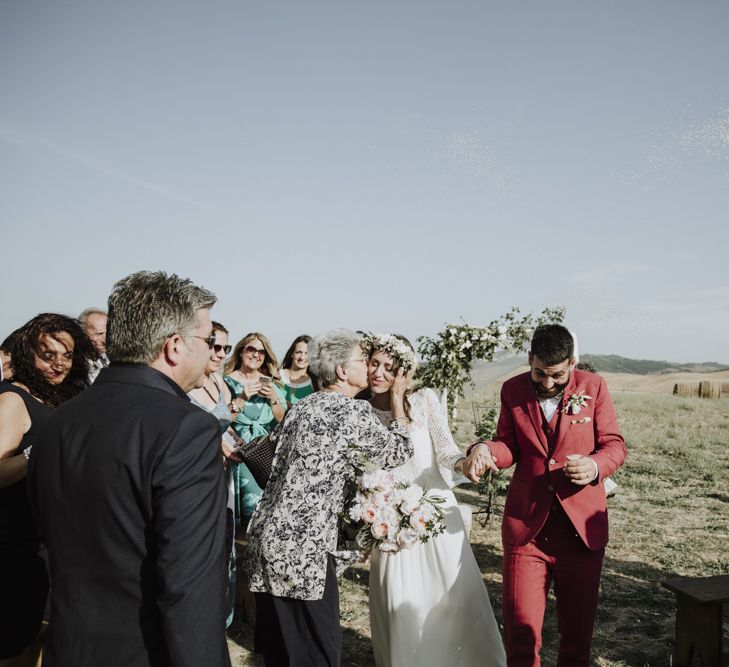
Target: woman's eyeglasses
{"x":224,"y":348}
{"x":249,"y":349}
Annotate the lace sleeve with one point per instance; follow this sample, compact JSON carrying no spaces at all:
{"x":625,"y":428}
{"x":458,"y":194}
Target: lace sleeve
{"x":445,"y":447}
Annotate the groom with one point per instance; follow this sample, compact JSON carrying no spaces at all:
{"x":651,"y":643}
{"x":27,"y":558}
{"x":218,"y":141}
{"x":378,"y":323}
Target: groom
{"x":558,"y":425}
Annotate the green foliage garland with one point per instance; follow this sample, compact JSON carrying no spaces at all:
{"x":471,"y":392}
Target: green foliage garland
{"x":447,"y":358}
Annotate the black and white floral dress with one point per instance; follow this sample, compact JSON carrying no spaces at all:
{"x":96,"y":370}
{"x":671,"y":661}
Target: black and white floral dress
{"x":294,"y":528}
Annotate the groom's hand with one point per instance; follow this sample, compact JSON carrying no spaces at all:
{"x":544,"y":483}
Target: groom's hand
{"x":479,"y":461}
{"x":580,"y":470}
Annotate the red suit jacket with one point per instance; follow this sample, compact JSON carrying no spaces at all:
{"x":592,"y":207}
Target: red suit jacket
{"x":539,"y":477}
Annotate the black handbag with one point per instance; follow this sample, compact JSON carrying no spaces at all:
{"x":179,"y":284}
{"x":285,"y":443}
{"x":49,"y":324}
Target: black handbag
{"x":258,"y":454}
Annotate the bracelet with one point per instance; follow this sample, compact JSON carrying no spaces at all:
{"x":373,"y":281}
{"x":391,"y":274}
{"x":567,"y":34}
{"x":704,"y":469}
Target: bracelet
{"x":274,"y":403}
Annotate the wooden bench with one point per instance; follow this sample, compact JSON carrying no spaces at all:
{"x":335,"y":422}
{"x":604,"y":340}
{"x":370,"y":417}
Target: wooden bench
{"x":698,"y":618}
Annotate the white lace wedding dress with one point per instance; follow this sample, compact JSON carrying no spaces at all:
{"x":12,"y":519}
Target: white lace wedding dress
{"x":428,"y":604}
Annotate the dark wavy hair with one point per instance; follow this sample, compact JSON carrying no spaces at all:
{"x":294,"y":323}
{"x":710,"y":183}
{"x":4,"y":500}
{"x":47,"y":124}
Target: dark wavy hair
{"x":25,"y":346}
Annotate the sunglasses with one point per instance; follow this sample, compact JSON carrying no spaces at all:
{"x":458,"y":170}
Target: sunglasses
{"x":225,"y":348}
{"x":209,"y":340}
{"x":249,"y":349}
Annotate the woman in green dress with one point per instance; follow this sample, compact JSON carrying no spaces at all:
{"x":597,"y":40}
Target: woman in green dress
{"x":258,"y":404}
{"x":298,"y":382}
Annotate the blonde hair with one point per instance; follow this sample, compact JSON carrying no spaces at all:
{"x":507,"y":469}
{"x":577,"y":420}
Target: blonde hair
{"x":270,"y":362}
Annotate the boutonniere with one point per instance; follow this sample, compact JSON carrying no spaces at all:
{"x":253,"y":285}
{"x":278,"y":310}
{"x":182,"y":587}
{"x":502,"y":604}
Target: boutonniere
{"x":574,"y":404}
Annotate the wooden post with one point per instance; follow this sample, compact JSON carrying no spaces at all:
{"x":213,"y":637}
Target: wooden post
{"x":698,"y":618}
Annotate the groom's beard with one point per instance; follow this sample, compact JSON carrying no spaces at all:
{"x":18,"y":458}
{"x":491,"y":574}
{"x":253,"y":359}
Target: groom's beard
{"x":549,"y":393}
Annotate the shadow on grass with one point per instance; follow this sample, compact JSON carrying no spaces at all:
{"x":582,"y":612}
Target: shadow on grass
{"x":356,"y":647}
{"x":635,"y":622}
{"x":359,"y":577}
{"x":636,"y":615}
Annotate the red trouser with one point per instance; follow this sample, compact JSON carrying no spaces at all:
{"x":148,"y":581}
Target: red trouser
{"x":558,"y":553}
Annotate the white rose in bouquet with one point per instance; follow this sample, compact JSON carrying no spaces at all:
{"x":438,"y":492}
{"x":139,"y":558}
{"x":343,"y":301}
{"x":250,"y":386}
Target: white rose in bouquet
{"x":410,"y":498}
{"x":385,"y":524}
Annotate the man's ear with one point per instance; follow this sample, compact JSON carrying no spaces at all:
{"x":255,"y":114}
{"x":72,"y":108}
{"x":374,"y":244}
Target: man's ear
{"x":573,"y":363}
{"x":531,"y":357}
{"x":172,"y":349}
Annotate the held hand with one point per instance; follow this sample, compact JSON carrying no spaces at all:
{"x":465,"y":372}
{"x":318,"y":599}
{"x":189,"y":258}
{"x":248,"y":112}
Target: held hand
{"x":580,"y":470}
{"x":479,"y":462}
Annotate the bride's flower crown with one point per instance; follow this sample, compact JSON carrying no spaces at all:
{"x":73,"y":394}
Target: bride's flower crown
{"x":397,"y":349}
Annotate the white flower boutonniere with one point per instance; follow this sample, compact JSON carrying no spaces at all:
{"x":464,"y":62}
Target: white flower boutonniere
{"x":574,"y":404}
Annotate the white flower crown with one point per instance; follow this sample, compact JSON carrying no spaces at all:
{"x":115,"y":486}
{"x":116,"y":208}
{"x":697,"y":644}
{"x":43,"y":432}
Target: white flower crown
{"x":397,"y":349}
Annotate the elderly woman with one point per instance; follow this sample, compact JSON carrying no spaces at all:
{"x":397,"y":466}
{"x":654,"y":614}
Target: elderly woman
{"x":293,"y":532}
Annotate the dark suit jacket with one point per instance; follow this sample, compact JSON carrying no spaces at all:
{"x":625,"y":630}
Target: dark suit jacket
{"x":539,"y":477}
{"x":128,"y":486}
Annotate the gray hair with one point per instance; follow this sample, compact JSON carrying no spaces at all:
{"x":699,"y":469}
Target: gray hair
{"x":147,"y":307}
{"x":329,"y":350}
{"x":89,"y":311}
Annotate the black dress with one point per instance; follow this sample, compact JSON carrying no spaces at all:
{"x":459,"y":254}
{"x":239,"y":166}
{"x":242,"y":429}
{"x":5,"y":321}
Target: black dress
{"x":23,"y":576}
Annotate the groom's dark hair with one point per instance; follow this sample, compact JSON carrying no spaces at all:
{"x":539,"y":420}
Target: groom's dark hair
{"x":553,"y":344}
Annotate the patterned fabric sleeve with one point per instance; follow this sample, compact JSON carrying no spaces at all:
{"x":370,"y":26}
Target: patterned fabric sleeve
{"x":445,"y":447}
{"x":384,"y":447}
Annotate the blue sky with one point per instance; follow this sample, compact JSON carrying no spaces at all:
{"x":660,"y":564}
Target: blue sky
{"x":378,"y":165}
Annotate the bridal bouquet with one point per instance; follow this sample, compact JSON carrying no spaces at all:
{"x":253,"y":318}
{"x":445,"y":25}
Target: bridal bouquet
{"x":391,"y":513}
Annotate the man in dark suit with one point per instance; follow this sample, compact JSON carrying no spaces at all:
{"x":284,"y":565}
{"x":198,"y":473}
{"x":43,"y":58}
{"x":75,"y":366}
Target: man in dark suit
{"x":558,"y":425}
{"x":127,"y":482}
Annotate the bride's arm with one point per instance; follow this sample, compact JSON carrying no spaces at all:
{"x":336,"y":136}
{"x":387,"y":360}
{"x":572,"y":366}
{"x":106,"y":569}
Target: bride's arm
{"x":445,"y":447}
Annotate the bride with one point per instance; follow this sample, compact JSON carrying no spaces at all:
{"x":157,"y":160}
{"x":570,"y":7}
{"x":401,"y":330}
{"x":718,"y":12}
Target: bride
{"x":428,"y":604}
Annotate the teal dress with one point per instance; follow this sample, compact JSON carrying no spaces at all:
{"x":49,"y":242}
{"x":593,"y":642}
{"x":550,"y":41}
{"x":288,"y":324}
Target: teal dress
{"x":295,"y":391}
{"x":255,"y":419}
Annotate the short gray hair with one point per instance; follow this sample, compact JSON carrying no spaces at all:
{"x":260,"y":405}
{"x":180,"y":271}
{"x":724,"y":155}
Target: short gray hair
{"x":329,"y":350}
{"x":145,"y":308}
{"x":90,"y":311}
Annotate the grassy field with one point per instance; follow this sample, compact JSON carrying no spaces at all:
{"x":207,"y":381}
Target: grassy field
{"x":670,"y":516}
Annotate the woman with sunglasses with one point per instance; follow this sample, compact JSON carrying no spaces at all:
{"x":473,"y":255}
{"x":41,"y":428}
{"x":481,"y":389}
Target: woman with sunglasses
{"x":214,"y":397}
{"x":259,"y":403}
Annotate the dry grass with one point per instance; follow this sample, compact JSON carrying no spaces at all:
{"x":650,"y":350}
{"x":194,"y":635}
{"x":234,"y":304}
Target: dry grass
{"x":670,"y":516}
